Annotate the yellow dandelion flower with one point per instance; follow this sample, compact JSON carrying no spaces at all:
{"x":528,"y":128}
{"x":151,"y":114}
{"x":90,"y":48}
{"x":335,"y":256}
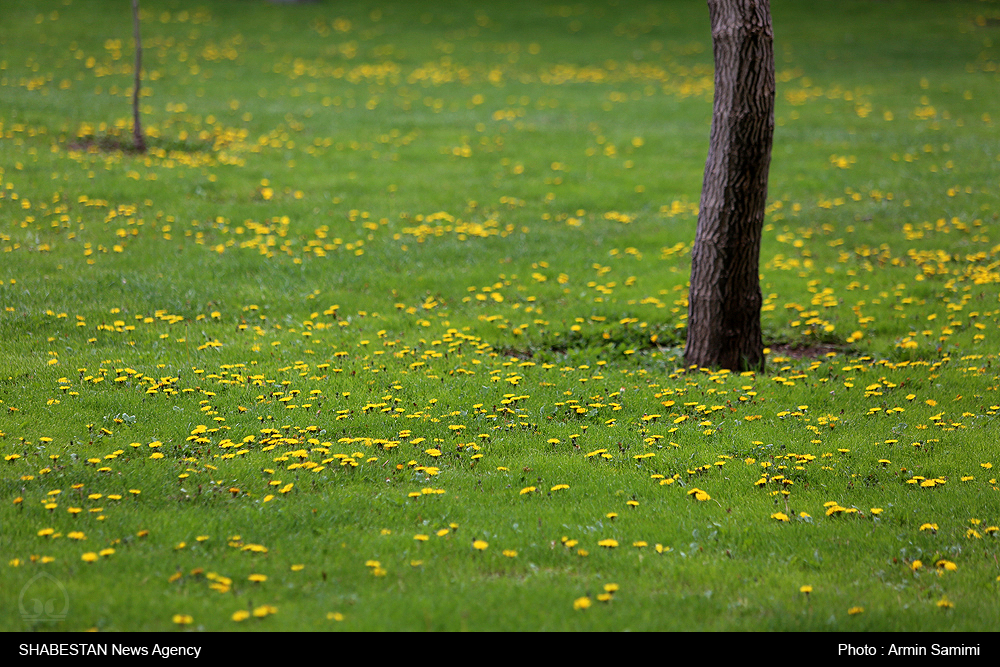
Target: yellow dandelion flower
{"x":240,"y":615}
{"x":608,"y":543}
{"x":257,"y":578}
{"x":856,"y":610}
{"x":480,"y":545}
{"x":89,"y":557}
{"x":264,"y":610}
{"x":582,"y":603}
{"x":183,"y":619}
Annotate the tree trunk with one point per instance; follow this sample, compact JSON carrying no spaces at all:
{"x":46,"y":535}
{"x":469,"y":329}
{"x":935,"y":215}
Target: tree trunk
{"x":725,"y":297}
{"x":137,"y":136}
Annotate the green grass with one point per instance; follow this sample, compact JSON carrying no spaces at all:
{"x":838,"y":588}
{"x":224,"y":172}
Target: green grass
{"x":381,"y":256}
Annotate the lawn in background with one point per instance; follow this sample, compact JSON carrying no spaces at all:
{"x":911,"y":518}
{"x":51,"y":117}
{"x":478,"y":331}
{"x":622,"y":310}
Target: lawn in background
{"x":384,"y":332}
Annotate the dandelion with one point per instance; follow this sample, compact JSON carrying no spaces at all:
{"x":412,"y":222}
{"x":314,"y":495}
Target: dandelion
{"x":933,"y":527}
{"x":916,"y":565}
{"x":89,"y":557}
{"x":240,"y":615}
{"x":527,"y":489}
{"x":183,"y":619}
{"x":480,"y":545}
{"x":257,"y":578}
{"x":699,"y":495}
{"x":945,"y":603}
{"x":608,"y":543}
{"x":780,"y":516}
{"x":856,"y":610}
{"x":335,"y":616}
{"x":510,"y":553}
{"x":582,"y":603}
{"x":421,"y":538}
{"x":806,"y":589}
{"x":264,"y":610}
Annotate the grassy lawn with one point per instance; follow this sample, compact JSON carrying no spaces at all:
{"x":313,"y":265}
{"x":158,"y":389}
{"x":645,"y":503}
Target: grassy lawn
{"x":384,"y":332}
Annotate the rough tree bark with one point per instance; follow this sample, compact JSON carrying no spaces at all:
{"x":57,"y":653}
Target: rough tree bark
{"x":724,"y":304}
{"x":137,"y":136}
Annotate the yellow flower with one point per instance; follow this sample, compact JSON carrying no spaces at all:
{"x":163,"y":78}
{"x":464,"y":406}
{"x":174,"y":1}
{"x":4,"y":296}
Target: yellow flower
{"x":916,"y":565}
{"x":258,"y":578}
{"x":334,"y":616}
{"x":183,"y":619}
{"x":856,"y":610}
{"x":608,"y":543}
{"x":510,"y":553}
{"x":780,"y":516}
{"x":699,"y":494}
{"x":610,"y":588}
{"x":527,"y":489}
{"x":806,"y":589}
{"x":945,"y":603}
{"x":264,"y":610}
{"x":582,"y":603}
{"x":480,"y":545}
{"x":240,"y":615}
{"x":89,"y":557}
